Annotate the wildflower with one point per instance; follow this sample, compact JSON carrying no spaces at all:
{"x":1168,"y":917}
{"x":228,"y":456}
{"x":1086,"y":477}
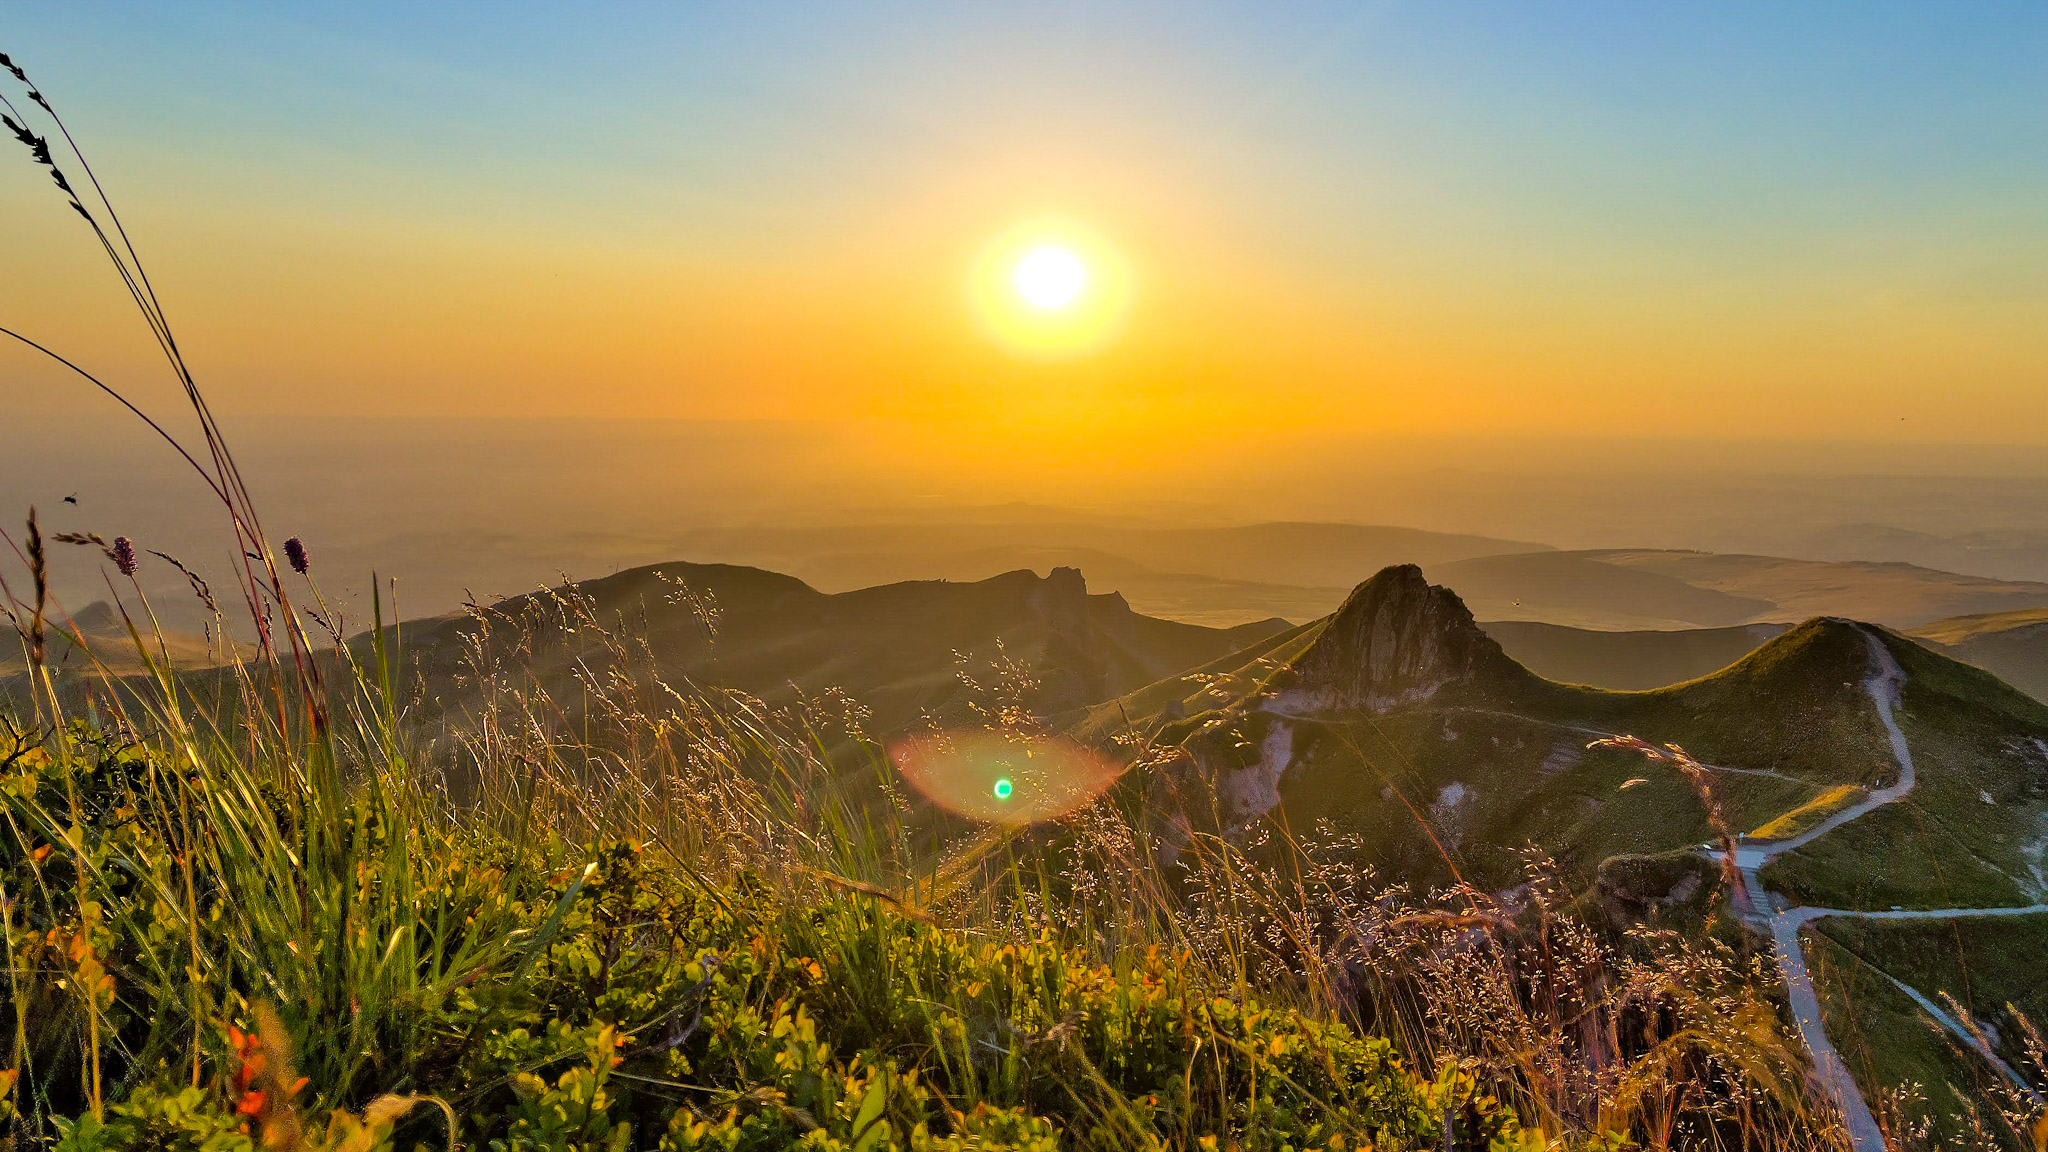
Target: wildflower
{"x":123,"y":553}
{"x":295,"y":551}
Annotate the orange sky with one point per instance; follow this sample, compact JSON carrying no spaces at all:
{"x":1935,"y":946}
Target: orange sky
{"x":1386,"y":227}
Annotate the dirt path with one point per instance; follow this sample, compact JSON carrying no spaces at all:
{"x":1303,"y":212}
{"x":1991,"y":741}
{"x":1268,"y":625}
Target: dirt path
{"x":1973,"y":1036}
{"x":1883,"y":685}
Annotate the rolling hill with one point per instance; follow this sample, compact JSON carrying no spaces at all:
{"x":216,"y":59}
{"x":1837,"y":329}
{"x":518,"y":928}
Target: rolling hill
{"x":2012,"y":645}
{"x":1400,"y":695}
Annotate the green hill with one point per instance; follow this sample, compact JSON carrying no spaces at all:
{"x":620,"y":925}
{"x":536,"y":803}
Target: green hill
{"x":1399,"y":714}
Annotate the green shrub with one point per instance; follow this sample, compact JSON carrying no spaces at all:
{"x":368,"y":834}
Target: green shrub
{"x":618,"y":1000}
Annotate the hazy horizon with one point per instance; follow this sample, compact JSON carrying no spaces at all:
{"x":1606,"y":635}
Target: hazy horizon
{"x":450,"y":508}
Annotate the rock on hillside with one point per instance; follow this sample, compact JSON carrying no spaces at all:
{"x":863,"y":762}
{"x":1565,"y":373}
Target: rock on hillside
{"x":1398,"y":639}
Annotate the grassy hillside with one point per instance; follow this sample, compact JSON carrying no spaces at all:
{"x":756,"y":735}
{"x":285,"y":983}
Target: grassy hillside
{"x":1485,"y":766}
{"x":1444,"y":760}
{"x":1974,"y":830}
{"x":1981,"y":974}
{"x":348,"y":965}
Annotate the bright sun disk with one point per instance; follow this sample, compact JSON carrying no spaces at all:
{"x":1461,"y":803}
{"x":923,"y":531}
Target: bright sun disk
{"x":1050,"y":276}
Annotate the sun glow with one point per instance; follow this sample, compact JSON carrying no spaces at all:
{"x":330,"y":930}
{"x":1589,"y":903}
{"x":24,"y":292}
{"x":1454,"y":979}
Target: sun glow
{"x":1050,"y":276}
{"x":1050,"y":290}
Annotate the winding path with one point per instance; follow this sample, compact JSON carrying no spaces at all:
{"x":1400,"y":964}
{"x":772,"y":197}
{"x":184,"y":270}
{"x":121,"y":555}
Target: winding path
{"x":1883,"y":684}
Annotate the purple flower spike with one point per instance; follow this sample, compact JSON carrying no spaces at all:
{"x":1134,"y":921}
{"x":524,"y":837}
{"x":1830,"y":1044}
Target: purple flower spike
{"x":123,"y":553}
{"x":295,"y":551}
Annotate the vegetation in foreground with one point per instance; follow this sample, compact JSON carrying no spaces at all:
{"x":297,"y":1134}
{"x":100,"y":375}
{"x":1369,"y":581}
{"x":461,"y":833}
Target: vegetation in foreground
{"x":214,"y":959}
{"x":291,"y":933}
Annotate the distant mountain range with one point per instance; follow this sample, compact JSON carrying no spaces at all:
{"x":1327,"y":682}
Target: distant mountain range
{"x":1632,"y":660}
{"x":1225,"y":575}
{"x":901,"y":650}
{"x":1304,"y":570}
{"x":1666,"y":589}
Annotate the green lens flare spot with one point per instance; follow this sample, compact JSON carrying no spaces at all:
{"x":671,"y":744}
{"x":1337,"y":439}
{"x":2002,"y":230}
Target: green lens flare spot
{"x":1004,"y":788}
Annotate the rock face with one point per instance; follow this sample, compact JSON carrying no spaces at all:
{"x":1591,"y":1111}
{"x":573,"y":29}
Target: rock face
{"x":1061,"y":600}
{"x":1398,"y":639}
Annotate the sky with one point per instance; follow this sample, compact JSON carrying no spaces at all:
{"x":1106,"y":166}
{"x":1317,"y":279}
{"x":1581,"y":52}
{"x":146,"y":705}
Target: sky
{"x":1824,"y":221}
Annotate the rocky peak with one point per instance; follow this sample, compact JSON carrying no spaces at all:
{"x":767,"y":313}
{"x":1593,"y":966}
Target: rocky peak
{"x":98,"y":616}
{"x":1061,"y":600}
{"x":1398,"y":639}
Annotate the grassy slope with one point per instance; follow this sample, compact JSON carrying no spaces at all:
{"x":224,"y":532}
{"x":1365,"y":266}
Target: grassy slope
{"x":1945,"y":844}
{"x":1484,"y":769}
{"x":557,"y":993}
{"x":1886,"y":1038}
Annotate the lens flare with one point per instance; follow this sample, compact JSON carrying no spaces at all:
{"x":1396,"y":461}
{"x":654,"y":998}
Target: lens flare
{"x":1000,"y":778}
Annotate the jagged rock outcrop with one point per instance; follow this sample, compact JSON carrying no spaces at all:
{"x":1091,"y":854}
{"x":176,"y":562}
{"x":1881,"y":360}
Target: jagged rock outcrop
{"x":1061,"y":600}
{"x":1398,"y":639}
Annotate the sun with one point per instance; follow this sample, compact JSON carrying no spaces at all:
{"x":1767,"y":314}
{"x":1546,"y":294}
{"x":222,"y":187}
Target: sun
{"x":1050,"y":290}
{"x":1050,"y":276}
